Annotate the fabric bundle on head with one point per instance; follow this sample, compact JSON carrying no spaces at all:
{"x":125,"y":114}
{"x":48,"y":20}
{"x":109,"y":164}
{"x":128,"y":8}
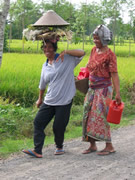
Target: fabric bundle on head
{"x":104,"y":34}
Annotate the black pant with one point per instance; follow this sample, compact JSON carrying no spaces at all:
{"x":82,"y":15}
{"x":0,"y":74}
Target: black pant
{"x":43,"y":117}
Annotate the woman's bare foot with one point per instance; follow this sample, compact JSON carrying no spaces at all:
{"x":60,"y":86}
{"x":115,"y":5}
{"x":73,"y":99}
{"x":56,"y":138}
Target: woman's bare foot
{"x":109,"y":149}
{"x":91,"y":149}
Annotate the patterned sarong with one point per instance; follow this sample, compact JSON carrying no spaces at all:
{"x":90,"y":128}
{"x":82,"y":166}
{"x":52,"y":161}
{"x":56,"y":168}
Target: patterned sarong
{"x":96,"y":106}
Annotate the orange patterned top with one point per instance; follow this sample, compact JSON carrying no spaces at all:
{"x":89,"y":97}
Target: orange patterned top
{"x":102,"y":65}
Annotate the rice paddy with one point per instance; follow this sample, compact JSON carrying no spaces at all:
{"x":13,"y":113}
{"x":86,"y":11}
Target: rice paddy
{"x":20,"y":72}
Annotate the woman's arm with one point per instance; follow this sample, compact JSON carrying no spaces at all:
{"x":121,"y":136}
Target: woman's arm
{"x":74,"y":52}
{"x":116,"y":84}
{"x":40,"y":98}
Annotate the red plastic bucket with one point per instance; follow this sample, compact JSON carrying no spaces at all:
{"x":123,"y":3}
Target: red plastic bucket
{"x":115,"y":112}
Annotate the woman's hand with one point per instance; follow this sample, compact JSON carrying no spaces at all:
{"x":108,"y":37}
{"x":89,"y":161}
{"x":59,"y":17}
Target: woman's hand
{"x":39,"y":102}
{"x":61,"y":56}
{"x":118,"y":98}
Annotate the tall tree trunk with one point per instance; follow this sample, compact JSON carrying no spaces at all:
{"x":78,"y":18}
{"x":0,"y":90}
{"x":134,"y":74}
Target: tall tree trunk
{"x":3,"y":17}
{"x":10,"y":36}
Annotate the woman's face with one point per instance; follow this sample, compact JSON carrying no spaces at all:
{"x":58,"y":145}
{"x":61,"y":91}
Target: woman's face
{"x":97,"y":41}
{"x":49,"y":50}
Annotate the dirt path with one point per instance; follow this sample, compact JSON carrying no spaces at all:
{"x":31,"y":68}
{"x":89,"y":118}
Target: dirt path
{"x":75,"y":166}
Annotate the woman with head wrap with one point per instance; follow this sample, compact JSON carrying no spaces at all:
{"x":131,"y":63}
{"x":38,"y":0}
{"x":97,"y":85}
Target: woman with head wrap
{"x":102,"y":66}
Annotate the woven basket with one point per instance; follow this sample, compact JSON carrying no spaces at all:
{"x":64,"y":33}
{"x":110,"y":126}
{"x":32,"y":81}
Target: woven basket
{"x":82,"y":85}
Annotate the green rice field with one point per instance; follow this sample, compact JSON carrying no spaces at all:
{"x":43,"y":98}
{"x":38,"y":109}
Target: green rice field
{"x":34,"y":47}
{"x":20,"y":72}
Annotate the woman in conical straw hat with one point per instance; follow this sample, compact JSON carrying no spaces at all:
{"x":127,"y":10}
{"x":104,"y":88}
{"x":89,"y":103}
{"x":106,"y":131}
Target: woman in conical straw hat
{"x":102,"y":66}
{"x":58,"y":74}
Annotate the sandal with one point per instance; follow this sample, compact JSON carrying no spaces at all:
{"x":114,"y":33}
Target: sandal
{"x":105,"y":152}
{"x":88,"y":151}
{"x":59,"y":152}
{"x":32,"y":153}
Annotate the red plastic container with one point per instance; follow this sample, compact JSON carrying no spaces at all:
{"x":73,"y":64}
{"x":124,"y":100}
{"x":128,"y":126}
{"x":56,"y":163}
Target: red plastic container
{"x":115,"y":112}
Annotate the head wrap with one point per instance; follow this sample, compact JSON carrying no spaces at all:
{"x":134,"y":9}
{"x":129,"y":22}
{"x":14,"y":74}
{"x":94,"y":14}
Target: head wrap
{"x":104,"y":34}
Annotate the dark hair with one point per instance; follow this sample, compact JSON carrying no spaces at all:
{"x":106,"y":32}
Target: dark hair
{"x":54,"y":44}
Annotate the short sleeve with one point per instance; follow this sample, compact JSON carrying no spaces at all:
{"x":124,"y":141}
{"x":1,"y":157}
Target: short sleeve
{"x":73,"y":59}
{"x":78,"y":60}
{"x":113,"y":63}
{"x":90,"y":57}
{"x":42,"y":84}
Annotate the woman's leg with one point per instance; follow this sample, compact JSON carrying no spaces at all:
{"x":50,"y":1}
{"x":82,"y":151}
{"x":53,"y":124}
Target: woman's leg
{"x":43,"y":117}
{"x":93,"y":144}
{"x":92,"y":147}
{"x":109,"y":147}
{"x":107,"y":150}
{"x":62,"y":114}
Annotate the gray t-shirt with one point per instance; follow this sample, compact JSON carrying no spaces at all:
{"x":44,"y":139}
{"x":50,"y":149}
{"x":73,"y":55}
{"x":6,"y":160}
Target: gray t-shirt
{"x":60,"y":80}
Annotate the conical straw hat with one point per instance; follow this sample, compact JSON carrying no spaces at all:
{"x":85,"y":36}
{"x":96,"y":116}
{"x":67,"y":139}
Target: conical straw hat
{"x":50,"y":19}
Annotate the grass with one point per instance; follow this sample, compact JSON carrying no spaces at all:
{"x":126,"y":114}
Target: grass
{"x":18,"y":128}
{"x":23,"y":72}
{"x":10,"y":146}
{"x":34,"y":47}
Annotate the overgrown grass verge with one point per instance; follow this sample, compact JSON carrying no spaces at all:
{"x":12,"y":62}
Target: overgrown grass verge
{"x":17,"y":131}
{"x":11,"y":146}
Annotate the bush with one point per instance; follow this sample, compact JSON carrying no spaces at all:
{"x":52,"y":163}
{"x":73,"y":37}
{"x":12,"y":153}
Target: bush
{"x":15,"y":121}
{"x":79,"y":98}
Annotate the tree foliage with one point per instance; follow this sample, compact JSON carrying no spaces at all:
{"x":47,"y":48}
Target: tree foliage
{"x":5,"y":47}
{"x":82,"y":19}
{"x":22,"y":14}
